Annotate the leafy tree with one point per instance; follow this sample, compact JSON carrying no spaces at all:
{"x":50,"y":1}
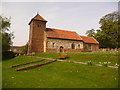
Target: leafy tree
{"x":90,"y":33}
{"x":25,"y":48}
{"x":5,"y":35}
{"x":109,"y":31}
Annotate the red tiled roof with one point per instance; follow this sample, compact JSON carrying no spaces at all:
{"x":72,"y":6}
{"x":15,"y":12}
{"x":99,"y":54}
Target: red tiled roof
{"x":18,"y":47}
{"x":38,"y":17}
{"x":87,"y":39}
{"x":62,"y":34}
{"x":18,"y":52}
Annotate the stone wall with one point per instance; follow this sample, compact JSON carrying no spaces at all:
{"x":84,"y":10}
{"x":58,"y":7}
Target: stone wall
{"x":109,"y":49}
{"x":54,"y":45}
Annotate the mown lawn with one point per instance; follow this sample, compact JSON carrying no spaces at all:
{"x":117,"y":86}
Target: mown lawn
{"x":57,"y":74}
{"x":95,"y":57}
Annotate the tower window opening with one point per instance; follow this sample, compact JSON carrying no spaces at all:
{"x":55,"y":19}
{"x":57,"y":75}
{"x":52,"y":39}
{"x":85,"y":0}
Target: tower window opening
{"x":39,"y":25}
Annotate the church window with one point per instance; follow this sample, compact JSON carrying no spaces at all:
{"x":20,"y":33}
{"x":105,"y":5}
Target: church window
{"x":53,"y":45}
{"x":73,"y":46}
{"x":78,"y":45}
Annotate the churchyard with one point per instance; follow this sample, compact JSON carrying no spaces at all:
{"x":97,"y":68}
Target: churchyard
{"x":95,"y":73}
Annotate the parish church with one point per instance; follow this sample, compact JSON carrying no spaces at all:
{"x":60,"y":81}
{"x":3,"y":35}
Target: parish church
{"x":43,"y":39}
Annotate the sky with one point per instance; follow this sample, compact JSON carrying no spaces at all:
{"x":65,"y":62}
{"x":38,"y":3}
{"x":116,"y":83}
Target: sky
{"x":71,"y":16}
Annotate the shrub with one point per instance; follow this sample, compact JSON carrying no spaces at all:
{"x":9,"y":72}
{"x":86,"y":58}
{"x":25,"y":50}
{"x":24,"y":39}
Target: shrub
{"x":90,"y":63}
{"x":105,"y":64}
{"x":7,"y":55}
{"x":116,"y":65}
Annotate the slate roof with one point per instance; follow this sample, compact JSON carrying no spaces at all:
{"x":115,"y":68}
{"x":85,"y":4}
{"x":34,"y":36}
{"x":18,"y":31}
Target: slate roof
{"x":87,"y":39}
{"x":62,"y":34}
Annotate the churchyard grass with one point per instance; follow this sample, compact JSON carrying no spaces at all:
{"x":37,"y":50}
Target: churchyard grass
{"x":95,"y":57}
{"x":61,"y":74}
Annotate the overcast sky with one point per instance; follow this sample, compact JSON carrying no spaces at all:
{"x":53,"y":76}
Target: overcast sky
{"x":72,"y":16}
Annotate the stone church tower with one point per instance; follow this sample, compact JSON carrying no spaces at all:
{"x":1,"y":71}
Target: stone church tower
{"x":37,"y":35}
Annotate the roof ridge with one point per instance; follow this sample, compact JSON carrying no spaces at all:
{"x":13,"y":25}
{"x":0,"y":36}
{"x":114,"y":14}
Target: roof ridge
{"x":39,"y":17}
{"x":60,"y":29}
{"x":58,"y":33}
{"x":78,"y":35}
{"x":88,"y":39}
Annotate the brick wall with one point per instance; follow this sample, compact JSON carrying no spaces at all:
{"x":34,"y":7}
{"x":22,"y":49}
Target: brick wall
{"x":91,"y":47}
{"x":51,"y":50}
{"x":95,"y":47}
{"x":37,"y":37}
{"x":73,"y":50}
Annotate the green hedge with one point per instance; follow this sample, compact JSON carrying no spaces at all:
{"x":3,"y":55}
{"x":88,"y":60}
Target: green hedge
{"x":7,"y":55}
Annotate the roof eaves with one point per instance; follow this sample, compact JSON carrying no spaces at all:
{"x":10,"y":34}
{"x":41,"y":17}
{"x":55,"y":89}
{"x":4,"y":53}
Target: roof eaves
{"x":95,"y":40}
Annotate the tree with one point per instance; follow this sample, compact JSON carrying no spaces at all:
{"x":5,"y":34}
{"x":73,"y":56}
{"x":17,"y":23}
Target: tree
{"x":108,"y":33}
{"x":5,"y":35}
{"x":90,"y":33}
{"x":25,"y":48}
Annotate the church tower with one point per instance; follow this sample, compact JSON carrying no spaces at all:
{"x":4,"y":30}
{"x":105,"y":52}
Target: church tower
{"x":37,"y":35}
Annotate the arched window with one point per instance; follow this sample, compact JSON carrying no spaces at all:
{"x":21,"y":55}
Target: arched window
{"x":78,"y":45}
{"x":73,"y":46}
{"x":53,"y":45}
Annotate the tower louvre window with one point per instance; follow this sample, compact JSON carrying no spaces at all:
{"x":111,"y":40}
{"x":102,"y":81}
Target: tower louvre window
{"x":39,"y":25}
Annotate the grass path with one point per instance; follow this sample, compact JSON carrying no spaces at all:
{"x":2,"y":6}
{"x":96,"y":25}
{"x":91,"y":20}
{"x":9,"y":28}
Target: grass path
{"x":95,"y":57}
{"x":72,"y":61}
